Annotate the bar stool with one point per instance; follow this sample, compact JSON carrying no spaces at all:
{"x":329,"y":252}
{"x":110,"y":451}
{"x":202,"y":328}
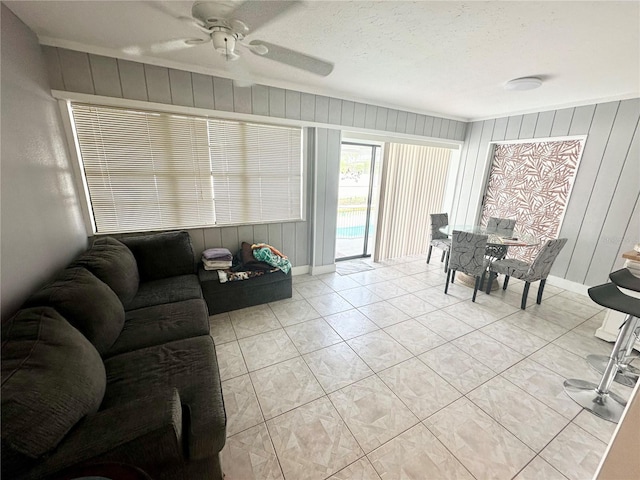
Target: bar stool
{"x":598,"y":399}
{"x":625,"y":373}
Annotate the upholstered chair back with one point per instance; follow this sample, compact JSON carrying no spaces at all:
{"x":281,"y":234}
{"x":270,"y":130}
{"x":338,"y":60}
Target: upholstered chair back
{"x":503,"y":225}
{"x":467,"y":253}
{"x":438,"y":220}
{"x":542,"y":264}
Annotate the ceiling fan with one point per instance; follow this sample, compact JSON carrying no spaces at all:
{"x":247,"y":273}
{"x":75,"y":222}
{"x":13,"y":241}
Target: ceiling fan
{"x":227,"y":31}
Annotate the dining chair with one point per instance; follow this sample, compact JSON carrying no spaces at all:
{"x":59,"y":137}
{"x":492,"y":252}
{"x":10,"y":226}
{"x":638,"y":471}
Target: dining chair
{"x":466,"y":255}
{"x":438,"y":239}
{"x":503,"y":226}
{"x":506,"y":225}
{"x":537,"y":270}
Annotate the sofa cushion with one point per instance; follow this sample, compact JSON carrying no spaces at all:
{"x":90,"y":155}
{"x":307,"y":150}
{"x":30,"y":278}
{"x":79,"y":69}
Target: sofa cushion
{"x":191,"y":367}
{"x":160,"y":324}
{"x":87,"y":303}
{"x":166,"y":290}
{"x":113,"y":263}
{"x":162,"y":255}
{"x":51,"y":378}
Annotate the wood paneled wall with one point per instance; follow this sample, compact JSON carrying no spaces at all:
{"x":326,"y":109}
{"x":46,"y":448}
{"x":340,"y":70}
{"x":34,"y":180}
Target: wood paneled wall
{"x":602,"y":219}
{"x":326,"y":187}
{"x":75,"y":71}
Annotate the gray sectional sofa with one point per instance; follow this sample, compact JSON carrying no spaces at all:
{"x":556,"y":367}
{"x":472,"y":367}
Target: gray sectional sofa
{"x":113,"y":362}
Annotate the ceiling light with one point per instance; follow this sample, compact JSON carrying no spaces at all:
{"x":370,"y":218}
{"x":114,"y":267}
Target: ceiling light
{"x":524,"y":83}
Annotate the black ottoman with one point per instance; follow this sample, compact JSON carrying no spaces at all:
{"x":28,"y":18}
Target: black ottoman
{"x":224,"y":297}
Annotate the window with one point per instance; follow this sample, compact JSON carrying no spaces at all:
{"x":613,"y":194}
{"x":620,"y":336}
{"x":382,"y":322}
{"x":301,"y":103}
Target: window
{"x":155,"y":171}
{"x":256,"y":171}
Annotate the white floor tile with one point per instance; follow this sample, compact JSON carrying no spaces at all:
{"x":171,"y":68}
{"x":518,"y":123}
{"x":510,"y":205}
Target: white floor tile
{"x":343,"y":390}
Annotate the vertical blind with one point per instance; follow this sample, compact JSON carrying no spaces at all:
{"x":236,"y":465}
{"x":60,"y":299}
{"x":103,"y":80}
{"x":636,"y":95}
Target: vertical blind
{"x":154,"y":171}
{"x":413,"y":186}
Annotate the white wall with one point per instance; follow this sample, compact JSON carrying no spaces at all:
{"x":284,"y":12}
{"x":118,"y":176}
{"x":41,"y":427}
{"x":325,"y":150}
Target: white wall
{"x":602,"y":219}
{"x":42,"y":227}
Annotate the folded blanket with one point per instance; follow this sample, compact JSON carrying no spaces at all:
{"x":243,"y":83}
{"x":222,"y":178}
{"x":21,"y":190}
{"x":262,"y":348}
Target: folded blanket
{"x":212,"y":263}
{"x":217,"y":254}
{"x":215,"y":268}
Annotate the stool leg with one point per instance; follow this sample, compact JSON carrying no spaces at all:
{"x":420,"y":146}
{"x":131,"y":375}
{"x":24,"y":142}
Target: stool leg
{"x":429,"y":253}
{"x":506,"y":282}
{"x":442,"y":257}
{"x":597,"y":398}
{"x":625,"y":373}
{"x":626,"y":357}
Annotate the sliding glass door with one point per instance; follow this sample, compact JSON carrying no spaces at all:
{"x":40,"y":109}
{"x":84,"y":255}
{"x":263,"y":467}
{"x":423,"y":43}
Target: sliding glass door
{"x":357,"y":211}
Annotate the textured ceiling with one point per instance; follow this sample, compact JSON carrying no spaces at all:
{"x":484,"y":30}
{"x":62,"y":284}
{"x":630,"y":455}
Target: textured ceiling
{"x":447,"y":58}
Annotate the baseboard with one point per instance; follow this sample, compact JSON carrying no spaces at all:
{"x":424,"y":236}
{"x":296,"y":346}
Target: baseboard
{"x":565,"y":284}
{"x":605,"y":335}
{"x":320,"y":269}
{"x":301,"y":270}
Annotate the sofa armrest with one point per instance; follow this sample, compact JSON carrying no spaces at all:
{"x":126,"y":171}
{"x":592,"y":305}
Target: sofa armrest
{"x":145,"y":432}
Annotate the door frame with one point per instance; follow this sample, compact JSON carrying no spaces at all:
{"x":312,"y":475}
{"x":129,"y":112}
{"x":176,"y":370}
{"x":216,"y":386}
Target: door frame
{"x":372,"y":170}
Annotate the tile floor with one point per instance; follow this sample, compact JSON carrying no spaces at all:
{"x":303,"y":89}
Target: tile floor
{"x":373,"y":373}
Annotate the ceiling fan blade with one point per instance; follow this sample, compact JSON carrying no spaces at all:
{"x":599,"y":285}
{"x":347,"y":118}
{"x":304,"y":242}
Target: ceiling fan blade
{"x":194,"y":22}
{"x":196,"y":41}
{"x":295,"y":59}
{"x":258,"y":48}
{"x":170,"y":46}
{"x":255,"y":14}
{"x":161,"y":47}
{"x":240,"y":74}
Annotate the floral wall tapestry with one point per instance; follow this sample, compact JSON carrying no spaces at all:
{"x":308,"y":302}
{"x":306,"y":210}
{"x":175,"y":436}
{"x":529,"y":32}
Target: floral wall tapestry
{"x":531,"y":182}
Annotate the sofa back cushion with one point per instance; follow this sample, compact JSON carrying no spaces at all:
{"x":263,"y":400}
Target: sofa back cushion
{"x":113,"y":263}
{"x":162,"y":255}
{"x":51,"y":378}
{"x":87,"y":303}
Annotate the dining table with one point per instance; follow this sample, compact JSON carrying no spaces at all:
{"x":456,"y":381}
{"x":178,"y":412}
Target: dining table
{"x":495,"y":237}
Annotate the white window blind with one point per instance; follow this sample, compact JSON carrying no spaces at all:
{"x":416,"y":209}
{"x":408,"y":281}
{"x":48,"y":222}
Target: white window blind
{"x":256,"y":171}
{"x":144,"y":170}
{"x":157,"y":171}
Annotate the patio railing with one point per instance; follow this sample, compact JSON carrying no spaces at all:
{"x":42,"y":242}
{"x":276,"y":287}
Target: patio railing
{"x":351,"y":221}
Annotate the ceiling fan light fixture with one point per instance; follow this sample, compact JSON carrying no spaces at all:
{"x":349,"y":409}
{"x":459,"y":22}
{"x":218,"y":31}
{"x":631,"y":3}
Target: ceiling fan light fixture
{"x":223,"y":41}
{"x":524,"y":83}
